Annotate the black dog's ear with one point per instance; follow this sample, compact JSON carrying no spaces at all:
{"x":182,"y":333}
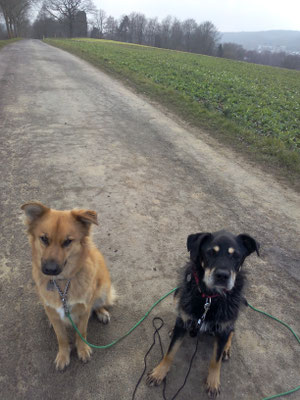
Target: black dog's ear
{"x":249,"y":243}
{"x":194,"y":243}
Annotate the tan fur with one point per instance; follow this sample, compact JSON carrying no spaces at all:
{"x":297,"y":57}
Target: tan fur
{"x":227,"y":348}
{"x":213,"y":379}
{"x":90,"y":285}
{"x":160,"y":371}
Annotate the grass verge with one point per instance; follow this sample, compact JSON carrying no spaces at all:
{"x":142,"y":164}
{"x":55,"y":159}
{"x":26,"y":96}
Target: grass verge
{"x":8,"y":41}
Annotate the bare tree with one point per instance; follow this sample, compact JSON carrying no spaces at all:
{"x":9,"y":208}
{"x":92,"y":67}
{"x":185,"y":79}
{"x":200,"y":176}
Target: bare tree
{"x":233,"y":51}
{"x":123,"y":30}
{"x":137,"y":25}
{"x":165,"y":32}
{"x":98,"y":22}
{"x":15,"y":14}
{"x":176,"y":35}
{"x":3,"y":33}
{"x":46,"y":26}
{"x":291,"y":61}
{"x":189,"y":27}
{"x":205,"y":39}
{"x":111,"y":27}
{"x":67,"y":10}
{"x":151,"y":31}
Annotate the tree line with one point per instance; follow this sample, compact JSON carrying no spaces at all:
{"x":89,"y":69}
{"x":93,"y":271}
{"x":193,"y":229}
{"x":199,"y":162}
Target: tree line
{"x":15,"y":14}
{"x":266,"y":57}
{"x":80,"y":18}
{"x":170,"y":33}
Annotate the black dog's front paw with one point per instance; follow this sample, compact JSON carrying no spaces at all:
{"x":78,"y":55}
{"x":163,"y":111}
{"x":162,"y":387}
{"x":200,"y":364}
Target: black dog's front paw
{"x":158,"y":374}
{"x":213,"y":385}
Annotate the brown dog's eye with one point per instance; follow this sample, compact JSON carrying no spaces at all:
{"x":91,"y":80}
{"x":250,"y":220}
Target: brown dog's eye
{"x":66,"y":243}
{"x":45,"y":240}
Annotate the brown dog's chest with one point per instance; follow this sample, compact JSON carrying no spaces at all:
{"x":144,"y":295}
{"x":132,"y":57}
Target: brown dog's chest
{"x":77,"y":300}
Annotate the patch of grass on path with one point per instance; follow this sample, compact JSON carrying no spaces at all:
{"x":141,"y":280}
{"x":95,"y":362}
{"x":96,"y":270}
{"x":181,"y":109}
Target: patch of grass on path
{"x":7,"y":41}
{"x":250,"y":107}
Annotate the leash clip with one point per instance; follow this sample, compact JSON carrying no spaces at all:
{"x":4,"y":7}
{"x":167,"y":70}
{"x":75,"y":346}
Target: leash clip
{"x":65,"y":305}
{"x":63,"y":295}
{"x":207,"y":304}
{"x":206,"y":308}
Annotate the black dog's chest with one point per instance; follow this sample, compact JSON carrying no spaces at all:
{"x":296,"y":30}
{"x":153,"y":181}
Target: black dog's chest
{"x":222,"y":313}
{"x":219,"y":310}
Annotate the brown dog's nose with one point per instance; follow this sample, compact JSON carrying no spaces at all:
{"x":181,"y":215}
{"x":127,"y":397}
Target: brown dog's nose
{"x":50,"y":267}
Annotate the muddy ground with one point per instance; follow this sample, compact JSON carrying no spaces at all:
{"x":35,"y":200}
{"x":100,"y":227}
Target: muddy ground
{"x":73,"y":137}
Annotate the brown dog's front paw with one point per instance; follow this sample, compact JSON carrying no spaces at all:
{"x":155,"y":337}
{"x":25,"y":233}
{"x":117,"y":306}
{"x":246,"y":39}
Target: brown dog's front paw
{"x":84,"y":352}
{"x":103,"y":315}
{"x":213,"y":386}
{"x":62,"y":359}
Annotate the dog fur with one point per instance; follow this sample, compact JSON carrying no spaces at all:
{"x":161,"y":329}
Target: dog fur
{"x":214,"y":270}
{"x":62,"y":249}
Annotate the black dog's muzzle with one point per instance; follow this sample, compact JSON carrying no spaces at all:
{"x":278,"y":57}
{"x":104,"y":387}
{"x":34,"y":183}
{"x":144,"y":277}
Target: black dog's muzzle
{"x":221,"y":276}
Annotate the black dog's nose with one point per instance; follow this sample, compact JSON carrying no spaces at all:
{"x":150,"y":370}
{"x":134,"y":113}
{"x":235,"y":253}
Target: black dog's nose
{"x":50,"y":267}
{"x":222,"y":274}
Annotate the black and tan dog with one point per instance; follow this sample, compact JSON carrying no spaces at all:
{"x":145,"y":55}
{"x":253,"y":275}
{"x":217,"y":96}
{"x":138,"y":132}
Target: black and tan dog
{"x":213,"y":273}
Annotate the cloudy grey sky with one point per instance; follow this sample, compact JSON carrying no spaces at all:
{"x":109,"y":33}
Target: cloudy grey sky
{"x":227,"y":15}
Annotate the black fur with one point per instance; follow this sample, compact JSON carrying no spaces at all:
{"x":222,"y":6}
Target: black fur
{"x":224,"y":309}
{"x":214,"y":271}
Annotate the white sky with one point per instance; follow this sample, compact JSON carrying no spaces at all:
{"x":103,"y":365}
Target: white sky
{"x":226,"y":15}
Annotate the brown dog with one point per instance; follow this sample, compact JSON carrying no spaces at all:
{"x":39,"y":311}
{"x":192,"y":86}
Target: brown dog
{"x":64,"y":257}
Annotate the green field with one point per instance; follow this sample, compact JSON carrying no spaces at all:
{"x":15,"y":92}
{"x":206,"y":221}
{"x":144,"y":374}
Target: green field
{"x":258,"y":105}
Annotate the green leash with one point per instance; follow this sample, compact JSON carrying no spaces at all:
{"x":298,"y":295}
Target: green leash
{"x":297,"y":337}
{"x":107,"y":346}
{"x":149,"y":311}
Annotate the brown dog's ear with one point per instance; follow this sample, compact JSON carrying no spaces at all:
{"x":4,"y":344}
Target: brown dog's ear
{"x":249,"y":243}
{"x":86,"y":217}
{"x":194,"y":243}
{"x":34,"y":210}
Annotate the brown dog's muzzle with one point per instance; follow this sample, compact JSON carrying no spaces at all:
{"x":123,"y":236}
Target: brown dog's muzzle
{"x":51,"y":267}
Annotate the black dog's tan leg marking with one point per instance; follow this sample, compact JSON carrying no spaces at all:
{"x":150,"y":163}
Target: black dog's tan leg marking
{"x":213,"y":380}
{"x":227,"y":348}
{"x":63,"y":356}
{"x":159,"y":373}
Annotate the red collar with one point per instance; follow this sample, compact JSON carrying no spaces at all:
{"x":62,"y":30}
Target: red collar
{"x":212,"y":296}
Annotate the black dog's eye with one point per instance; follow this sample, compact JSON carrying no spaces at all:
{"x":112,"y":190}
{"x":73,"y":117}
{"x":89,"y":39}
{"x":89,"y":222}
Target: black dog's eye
{"x":67,"y":242}
{"x":211,"y":252}
{"x":45,"y":240}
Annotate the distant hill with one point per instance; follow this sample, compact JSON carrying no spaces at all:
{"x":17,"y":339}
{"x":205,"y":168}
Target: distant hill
{"x":277,"y":40}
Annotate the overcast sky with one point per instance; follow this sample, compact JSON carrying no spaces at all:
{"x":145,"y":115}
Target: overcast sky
{"x":226,"y":15}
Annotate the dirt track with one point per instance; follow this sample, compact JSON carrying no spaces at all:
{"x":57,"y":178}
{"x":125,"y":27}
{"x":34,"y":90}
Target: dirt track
{"x":71,"y":136}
